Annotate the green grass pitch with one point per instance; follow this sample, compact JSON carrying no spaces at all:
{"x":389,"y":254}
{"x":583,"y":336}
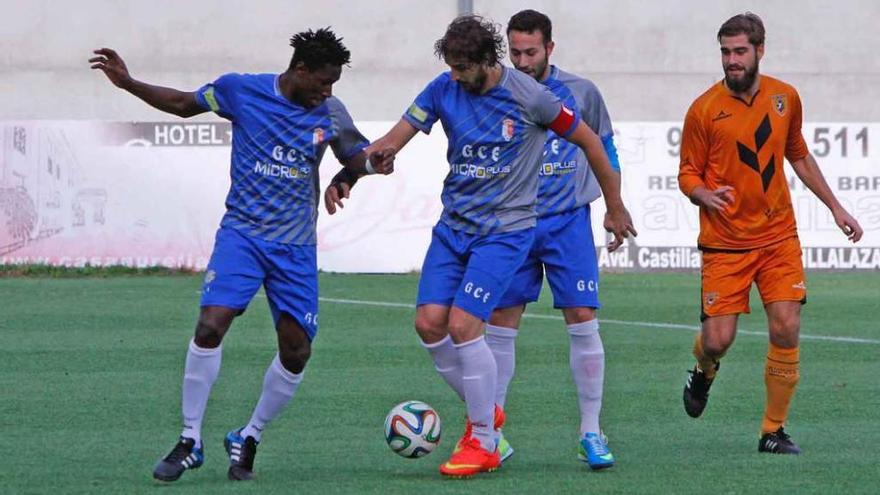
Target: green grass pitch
{"x":90,"y":372}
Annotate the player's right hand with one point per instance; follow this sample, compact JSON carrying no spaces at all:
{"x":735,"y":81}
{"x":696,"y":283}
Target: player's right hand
{"x":112,"y":65}
{"x":383,"y":161}
{"x":334,"y":195}
{"x":715,"y":200}
{"x":619,"y":223}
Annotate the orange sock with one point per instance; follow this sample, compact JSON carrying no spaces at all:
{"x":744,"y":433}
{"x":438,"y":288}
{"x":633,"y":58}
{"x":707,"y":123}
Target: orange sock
{"x":706,"y":363}
{"x":781,"y":375}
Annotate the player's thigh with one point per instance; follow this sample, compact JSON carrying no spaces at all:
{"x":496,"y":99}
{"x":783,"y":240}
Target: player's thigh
{"x":234,"y":273}
{"x":569,"y":257}
{"x":524,"y":288}
{"x":726,"y":279}
{"x":443,"y":268}
{"x":491,"y":260}
{"x":292,"y":286}
{"x":781,"y":275}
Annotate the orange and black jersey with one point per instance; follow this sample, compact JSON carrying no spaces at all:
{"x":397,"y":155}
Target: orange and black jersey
{"x":728,"y":141}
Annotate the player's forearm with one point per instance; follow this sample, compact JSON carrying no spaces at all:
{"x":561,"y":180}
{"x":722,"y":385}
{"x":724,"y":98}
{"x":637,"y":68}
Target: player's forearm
{"x":396,"y":138}
{"x":809,"y":173}
{"x":353,"y":169}
{"x":168,"y":100}
{"x":345,"y":176}
{"x":689,"y":182}
{"x":609,"y":180}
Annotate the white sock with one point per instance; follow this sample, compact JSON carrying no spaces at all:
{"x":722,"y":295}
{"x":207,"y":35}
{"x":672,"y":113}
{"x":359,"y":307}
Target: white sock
{"x":446,"y":363}
{"x":478,"y":376}
{"x":587,"y":360}
{"x":279,"y":386}
{"x":199,"y":374}
{"x":502,"y":342}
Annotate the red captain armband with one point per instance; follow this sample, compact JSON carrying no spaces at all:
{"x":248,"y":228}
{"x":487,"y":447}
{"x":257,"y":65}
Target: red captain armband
{"x":565,"y":123}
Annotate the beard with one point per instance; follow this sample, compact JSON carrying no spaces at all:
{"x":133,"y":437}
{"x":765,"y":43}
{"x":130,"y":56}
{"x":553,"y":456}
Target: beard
{"x":476,"y":85}
{"x":743,"y":84}
{"x":538,"y":71}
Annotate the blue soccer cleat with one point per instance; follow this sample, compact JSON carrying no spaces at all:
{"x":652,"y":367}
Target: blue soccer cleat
{"x":594,"y":451}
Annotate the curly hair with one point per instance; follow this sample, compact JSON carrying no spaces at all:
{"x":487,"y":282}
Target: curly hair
{"x":473,"y":38}
{"x":318,"y":48}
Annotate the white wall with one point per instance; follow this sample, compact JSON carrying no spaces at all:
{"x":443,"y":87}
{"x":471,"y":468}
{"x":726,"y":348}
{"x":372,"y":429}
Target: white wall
{"x":650,"y":58}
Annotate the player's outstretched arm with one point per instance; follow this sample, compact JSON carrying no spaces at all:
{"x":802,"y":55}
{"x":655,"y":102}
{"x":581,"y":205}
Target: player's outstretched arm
{"x":808,"y":171}
{"x":617,"y":218}
{"x":381,"y":161}
{"x":381,"y":152}
{"x":173,"y":101}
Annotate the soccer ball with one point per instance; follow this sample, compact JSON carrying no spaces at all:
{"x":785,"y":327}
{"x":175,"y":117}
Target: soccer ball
{"x":412,"y":429}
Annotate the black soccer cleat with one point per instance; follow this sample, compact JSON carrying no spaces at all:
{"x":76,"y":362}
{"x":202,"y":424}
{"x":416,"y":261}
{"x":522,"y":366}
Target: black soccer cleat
{"x":183,"y":456}
{"x":696,"y":391}
{"x":778,"y":442}
{"x":241,"y":455}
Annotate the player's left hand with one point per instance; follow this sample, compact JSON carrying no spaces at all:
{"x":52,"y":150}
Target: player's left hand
{"x":334,"y":195}
{"x":619,"y":223}
{"x":112,"y":65}
{"x":849,"y":225}
{"x":383,"y":161}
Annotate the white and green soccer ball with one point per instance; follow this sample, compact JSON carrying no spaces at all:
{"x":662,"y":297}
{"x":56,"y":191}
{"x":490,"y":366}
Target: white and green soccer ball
{"x":412,"y":429}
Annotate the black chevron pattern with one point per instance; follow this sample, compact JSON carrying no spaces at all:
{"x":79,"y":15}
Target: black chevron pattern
{"x":749,"y":157}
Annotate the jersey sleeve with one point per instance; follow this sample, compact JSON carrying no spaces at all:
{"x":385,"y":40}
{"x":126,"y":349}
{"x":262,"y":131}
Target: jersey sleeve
{"x":595,"y":115}
{"x":694,"y":153}
{"x":795,"y":146}
{"x":219,"y":96}
{"x":425,"y":110}
{"x":349,"y":141}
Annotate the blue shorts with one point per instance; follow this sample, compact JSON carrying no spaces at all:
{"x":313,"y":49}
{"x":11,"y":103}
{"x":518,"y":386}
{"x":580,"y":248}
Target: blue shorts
{"x":471,"y":271}
{"x":563,"y":248}
{"x":241,"y":263}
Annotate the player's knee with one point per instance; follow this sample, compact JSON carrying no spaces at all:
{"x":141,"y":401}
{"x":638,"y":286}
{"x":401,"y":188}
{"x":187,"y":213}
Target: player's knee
{"x":462,"y":331}
{"x":430,"y":330}
{"x":785,"y":325}
{"x":295,"y":356}
{"x":210,"y":331}
{"x":579,"y":315}
{"x":716,"y":345}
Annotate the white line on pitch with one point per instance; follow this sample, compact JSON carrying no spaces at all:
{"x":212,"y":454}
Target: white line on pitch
{"x":668,"y":326}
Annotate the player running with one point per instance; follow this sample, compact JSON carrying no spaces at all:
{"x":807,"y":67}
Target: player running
{"x":282,"y":125}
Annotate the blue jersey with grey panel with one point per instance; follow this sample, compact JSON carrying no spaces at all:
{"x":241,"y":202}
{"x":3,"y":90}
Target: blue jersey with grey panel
{"x":495,"y":142}
{"x":567,"y":183}
{"x":277,"y":146}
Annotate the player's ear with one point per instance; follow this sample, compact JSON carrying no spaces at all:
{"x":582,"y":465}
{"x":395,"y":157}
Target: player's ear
{"x":300,"y":68}
{"x":759,"y":51}
{"x":549,"y":47}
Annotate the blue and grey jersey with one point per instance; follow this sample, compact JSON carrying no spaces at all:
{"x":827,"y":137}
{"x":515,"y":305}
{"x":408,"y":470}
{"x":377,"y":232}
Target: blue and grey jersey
{"x":277,"y":146}
{"x":495,"y":142}
{"x":567,"y":183}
